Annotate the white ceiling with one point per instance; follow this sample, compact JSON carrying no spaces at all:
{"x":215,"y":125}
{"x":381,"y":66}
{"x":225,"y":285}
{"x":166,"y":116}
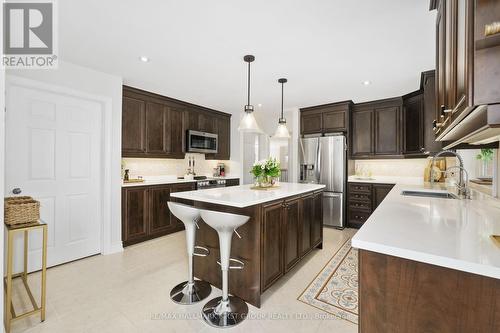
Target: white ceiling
{"x":325,"y":48}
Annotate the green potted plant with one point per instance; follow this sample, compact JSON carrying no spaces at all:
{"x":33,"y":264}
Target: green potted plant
{"x":266,"y":172}
{"x":486,"y":157}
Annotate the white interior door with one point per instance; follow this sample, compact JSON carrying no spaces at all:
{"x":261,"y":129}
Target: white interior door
{"x":53,"y":153}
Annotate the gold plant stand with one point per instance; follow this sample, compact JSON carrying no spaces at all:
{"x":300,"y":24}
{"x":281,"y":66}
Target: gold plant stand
{"x":11,"y":315}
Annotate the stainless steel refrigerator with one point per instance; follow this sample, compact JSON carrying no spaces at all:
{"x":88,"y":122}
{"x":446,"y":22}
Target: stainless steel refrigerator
{"x":323,"y":161}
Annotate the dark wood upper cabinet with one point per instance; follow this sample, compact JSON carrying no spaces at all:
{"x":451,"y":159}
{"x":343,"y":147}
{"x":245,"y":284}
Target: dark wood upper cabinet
{"x":176,"y":127}
{"x":362,"y":132}
{"x":387,"y":130}
{"x":428,"y":87}
{"x":376,"y":129}
{"x":207,"y":122}
{"x":272,"y":261}
{"x":328,"y":118}
{"x":441,"y":70}
{"x":155,"y":125}
{"x":291,"y":229}
{"x":156,"y":118}
{"x":413,"y":118}
{"x":133,"y":125}
{"x":222,"y":127}
{"x":311,"y":123}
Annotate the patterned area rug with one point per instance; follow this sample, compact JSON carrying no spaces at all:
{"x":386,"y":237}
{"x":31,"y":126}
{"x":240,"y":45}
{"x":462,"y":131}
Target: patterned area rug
{"x":335,"y":288}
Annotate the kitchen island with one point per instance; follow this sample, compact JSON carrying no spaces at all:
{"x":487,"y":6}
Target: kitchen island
{"x":429,"y":264}
{"x":286,"y":223}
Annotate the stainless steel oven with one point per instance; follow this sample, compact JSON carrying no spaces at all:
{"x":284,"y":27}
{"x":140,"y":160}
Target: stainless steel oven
{"x":201,"y":142}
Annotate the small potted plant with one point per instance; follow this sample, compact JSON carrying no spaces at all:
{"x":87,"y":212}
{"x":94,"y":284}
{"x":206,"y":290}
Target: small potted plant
{"x":266,"y":172}
{"x":486,"y":158}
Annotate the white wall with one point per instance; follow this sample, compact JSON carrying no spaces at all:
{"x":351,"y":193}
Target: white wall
{"x":105,"y":85}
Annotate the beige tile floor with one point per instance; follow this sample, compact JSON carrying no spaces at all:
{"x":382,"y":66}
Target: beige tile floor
{"x":129,"y":292}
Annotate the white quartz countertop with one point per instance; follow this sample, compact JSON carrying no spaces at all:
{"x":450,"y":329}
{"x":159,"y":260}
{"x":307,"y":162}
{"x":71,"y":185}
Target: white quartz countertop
{"x":244,"y":196}
{"x":386,"y":180}
{"x":451,"y":233}
{"x":162,"y":180}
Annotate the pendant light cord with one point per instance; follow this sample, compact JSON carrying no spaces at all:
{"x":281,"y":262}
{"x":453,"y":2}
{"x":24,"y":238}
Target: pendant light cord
{"x":248,"y":101}
{"x":282,"y":87}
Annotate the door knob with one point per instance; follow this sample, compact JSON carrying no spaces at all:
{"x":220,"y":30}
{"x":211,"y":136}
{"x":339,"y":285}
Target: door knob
{"x":16,"y":190}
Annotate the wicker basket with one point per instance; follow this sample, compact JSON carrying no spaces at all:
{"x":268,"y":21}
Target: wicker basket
{"x":21,"y":210}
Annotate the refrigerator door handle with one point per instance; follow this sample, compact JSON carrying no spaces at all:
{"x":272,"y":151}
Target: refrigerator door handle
{"x":318,"y":163}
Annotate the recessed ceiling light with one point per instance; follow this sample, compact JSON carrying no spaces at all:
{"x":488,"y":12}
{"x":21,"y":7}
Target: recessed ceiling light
{"x":367,"y":83}
{"x":259,"y":105}
{"x":144,"y":59}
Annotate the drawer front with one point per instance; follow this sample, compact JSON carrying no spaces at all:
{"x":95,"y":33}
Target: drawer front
{"x":360,"y":188}
{"x":357,"y":218}
{"x":364,"y":197}
{"x":360,"y":205}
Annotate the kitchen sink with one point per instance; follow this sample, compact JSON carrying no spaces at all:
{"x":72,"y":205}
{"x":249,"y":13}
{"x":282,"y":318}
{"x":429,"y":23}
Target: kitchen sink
{"x":430,"y":194}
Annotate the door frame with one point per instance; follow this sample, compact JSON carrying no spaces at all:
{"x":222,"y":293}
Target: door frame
{"x":106,"y":190}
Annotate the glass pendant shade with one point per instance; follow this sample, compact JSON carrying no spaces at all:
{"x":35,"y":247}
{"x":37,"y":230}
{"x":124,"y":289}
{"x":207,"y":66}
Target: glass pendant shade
{"x":248,"y":124}
{"x":281,"y":132}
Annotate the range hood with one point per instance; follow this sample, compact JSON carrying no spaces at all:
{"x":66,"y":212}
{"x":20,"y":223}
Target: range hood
{"x":481,"y":126}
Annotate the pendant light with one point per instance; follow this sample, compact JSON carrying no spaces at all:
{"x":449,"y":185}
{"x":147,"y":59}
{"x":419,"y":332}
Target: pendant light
{"x":282,"y":130}
{"x":248,"y":124}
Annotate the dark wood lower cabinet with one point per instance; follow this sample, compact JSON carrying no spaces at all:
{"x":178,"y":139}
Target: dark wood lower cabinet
{"x":232,"y":182}
{"x":401,"y":295}
{"x":135,"y":214}
{"x":362,"y":200}
{"x":145,"y":214}
{"x":277,"y":236}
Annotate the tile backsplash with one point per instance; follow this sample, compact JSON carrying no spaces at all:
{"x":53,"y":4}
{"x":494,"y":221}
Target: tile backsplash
{"x":388,"y":167}
{"x":163,"y":166}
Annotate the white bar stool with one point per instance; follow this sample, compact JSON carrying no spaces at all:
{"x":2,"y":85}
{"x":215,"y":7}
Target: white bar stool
{"x":190,"y":291}
{"x":225,"y":311}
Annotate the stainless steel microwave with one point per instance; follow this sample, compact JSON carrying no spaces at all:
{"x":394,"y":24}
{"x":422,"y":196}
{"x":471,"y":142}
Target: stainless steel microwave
{"x":201,"y":142}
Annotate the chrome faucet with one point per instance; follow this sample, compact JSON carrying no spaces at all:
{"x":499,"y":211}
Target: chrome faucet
{"x":463,"y":190}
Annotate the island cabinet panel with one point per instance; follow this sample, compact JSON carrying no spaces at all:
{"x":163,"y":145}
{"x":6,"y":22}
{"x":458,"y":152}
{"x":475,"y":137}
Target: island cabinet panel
{"x":306,"y":225}
{"x":145,"y":214}
{"x":272,"y":245}
{"x":317,"y":221}
{"x":134,"y":126}
{"x":401,"y":295}
{"x":291,"y":229}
